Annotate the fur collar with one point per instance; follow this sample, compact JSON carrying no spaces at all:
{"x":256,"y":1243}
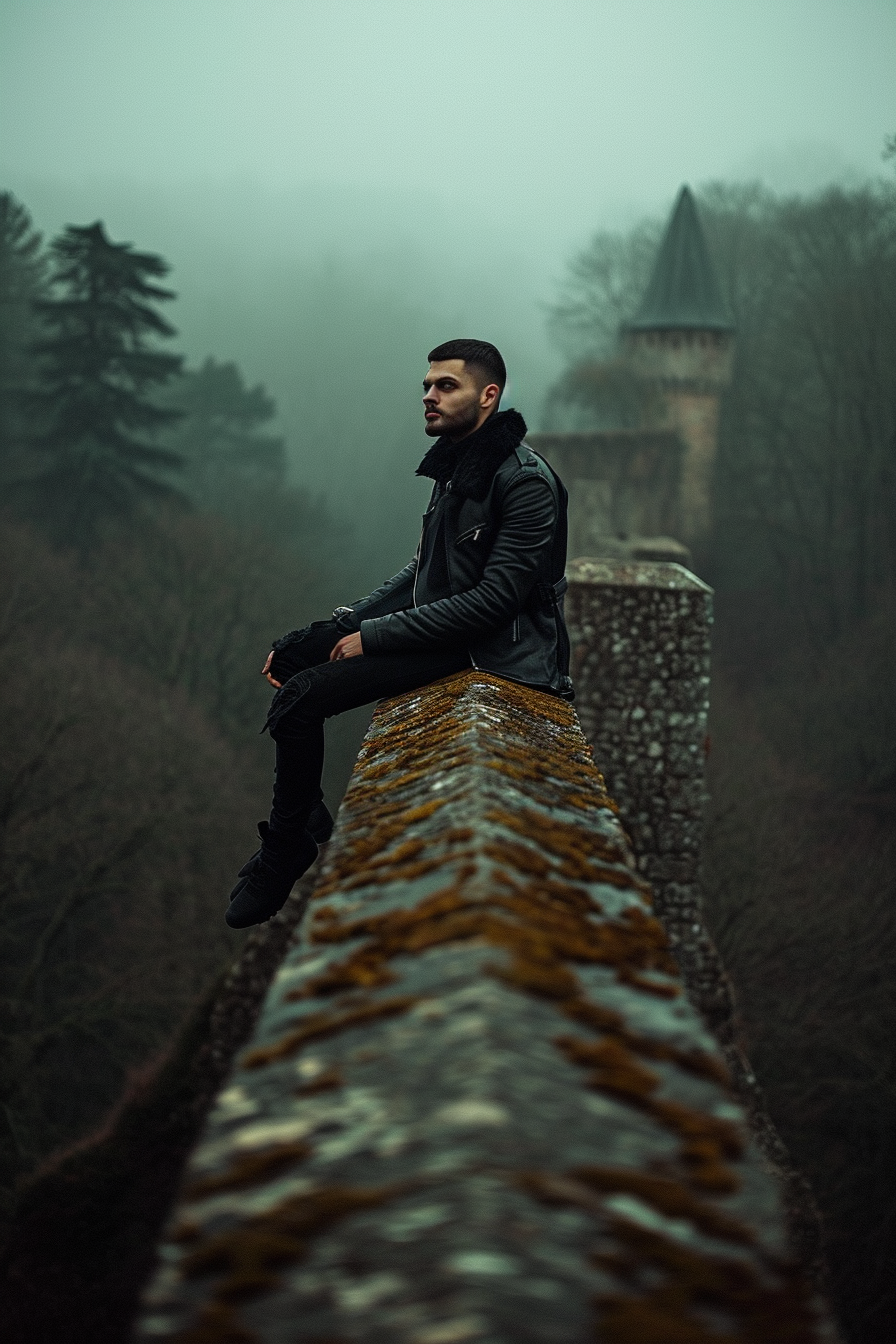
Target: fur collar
{"x":471,"y":464}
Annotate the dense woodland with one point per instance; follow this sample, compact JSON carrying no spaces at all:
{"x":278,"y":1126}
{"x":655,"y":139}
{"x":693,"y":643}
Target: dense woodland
{"x":152,"y":549}
{"x":154,"y":543}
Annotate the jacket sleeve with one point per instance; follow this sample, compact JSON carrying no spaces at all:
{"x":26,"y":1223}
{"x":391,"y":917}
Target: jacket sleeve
{"x":393,"y":595}
{"x":516,"y":563}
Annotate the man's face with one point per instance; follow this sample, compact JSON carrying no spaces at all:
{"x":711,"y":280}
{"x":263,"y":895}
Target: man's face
{"x":454,"y":402}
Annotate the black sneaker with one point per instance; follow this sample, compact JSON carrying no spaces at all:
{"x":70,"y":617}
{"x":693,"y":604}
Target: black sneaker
{"x":273,"y":872}
{"x":320,"y":824}
{"x":319,"y":827}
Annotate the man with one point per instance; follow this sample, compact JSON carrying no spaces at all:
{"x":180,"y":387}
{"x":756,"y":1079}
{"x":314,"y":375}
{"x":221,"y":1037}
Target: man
{"x":484,"y":590}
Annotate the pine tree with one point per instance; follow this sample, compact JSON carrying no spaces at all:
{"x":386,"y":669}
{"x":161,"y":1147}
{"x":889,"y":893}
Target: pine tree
{"x":220,"y":439}
{"x":98,"y":405}
{"x":22,"y":285}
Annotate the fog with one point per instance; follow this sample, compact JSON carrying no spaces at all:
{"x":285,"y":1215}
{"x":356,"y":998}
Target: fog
{"x":336,"y":188}
{"x":339,"y":187}
{"x":546,"y":111}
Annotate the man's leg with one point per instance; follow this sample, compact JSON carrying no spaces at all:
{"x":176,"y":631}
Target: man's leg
{"x":297,"y":726}
{"x":323,"y":691}
{"x":297,"y":774}
{"x":304,"y":648}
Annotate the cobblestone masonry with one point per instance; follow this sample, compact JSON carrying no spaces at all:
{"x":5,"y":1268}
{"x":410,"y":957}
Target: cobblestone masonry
{"x":640,"y":633}
{"x":476,"y":1106}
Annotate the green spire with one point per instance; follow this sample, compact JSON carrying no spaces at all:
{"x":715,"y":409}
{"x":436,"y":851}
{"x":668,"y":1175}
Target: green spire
{"x":683,"y":292}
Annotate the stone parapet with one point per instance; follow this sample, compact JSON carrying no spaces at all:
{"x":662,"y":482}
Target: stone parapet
{"x":640,"y":633}
{"x":477,"y":1106}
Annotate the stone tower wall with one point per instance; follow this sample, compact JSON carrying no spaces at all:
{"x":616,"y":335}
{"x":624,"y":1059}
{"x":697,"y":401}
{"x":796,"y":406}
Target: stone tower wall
{"x":620,"y":483}
{"x":681,"y":356}
{"x":695,"y":416}
{"x":691,"y":368}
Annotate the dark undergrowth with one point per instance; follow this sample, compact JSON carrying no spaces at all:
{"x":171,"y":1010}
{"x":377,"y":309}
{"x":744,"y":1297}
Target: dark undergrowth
{"x":800,"y":884}
{"x":80,"y":1241}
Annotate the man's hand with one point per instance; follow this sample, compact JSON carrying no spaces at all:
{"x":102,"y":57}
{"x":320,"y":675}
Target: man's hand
{"x":266,"y":671}
{"x":349,"y":646}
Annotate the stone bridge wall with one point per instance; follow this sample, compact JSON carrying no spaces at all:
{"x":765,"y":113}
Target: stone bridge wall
{"x":641,"y":646}
{"x":477,"y":1105}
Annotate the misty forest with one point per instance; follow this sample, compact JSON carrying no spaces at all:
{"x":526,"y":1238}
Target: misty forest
{"x":163,"y":521}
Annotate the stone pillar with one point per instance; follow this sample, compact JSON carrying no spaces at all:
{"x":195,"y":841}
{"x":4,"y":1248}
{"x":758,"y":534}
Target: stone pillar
{"x":640,"y":633}
{"x":476,"y":1106}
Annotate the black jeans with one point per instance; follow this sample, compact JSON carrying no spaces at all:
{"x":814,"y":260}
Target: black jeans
{"x":318,"y":689}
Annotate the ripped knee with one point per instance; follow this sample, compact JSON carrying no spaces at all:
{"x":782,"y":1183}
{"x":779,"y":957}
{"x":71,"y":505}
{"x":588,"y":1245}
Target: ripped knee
{"x":288,"y":711}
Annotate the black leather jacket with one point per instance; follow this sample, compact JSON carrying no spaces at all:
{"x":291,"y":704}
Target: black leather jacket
{"x":488,"y":572}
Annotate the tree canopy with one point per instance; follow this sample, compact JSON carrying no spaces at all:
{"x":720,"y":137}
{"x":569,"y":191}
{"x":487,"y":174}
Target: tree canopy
{"x":98,"y":420}
{"x":219,"y":434}
{"x":22,"y":286}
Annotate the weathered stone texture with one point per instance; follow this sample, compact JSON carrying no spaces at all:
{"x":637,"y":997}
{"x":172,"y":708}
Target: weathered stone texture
{"x":640,"y":635}
{"x":476,"y":1106}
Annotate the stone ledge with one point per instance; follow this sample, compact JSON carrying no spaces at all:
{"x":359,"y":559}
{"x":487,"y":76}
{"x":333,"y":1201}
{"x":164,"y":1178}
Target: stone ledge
{"x":664,"y":574}
{"x":477,"y":1105}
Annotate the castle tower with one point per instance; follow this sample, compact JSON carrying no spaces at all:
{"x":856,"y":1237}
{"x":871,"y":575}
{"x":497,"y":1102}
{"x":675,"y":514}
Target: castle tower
{"x":682,"y":341}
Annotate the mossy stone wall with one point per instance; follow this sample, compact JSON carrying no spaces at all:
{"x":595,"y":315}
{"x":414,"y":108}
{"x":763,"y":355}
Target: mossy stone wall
{"x":641,"y":646}
{"x":477,"y":1105}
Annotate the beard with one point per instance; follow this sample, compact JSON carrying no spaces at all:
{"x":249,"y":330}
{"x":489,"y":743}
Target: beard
{"x":457,"y":425}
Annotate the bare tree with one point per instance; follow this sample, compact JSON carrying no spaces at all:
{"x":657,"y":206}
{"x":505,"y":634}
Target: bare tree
{"x":122,"y":814}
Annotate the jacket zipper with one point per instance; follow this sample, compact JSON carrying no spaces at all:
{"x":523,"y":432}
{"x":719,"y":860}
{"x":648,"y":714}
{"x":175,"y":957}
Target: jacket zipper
{"x":420,"y":547}
{"x":419,"y":555}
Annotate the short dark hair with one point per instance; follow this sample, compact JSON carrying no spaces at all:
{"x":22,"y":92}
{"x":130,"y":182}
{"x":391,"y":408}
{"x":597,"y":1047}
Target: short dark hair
{"x":481,"y":354}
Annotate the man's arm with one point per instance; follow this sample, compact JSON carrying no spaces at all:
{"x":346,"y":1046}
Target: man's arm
{"x":393,"y":595}
{"x":514,"y":566}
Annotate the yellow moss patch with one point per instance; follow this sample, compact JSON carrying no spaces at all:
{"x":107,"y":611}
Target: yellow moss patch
{"x":364,"y":968}
{"x":695,"y":1061}
{"x":563,"y":839}
{"x":706,"y":1141}
{"x":547,"y":978}
{"x":668,"y":1196}
{"x":250,"y":1169}
{"x":614,"y":1067}
{"x":667,"y":1285}
{"x":318,"y":1025}
{"x":246,"y":1259}
{"x":526,"y":924}
{"x":762,"y":1307}
{"x":324,"y":1082}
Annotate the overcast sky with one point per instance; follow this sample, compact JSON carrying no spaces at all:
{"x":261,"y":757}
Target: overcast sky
{"x":486,"y":139}
{"x":562,"y":108}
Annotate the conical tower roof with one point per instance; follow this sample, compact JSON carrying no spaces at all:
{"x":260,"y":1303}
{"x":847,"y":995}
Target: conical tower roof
{"x":683,"y":292}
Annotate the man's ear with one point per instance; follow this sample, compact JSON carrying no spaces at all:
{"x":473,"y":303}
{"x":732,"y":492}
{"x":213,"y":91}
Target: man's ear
{"x":489,"y":396}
